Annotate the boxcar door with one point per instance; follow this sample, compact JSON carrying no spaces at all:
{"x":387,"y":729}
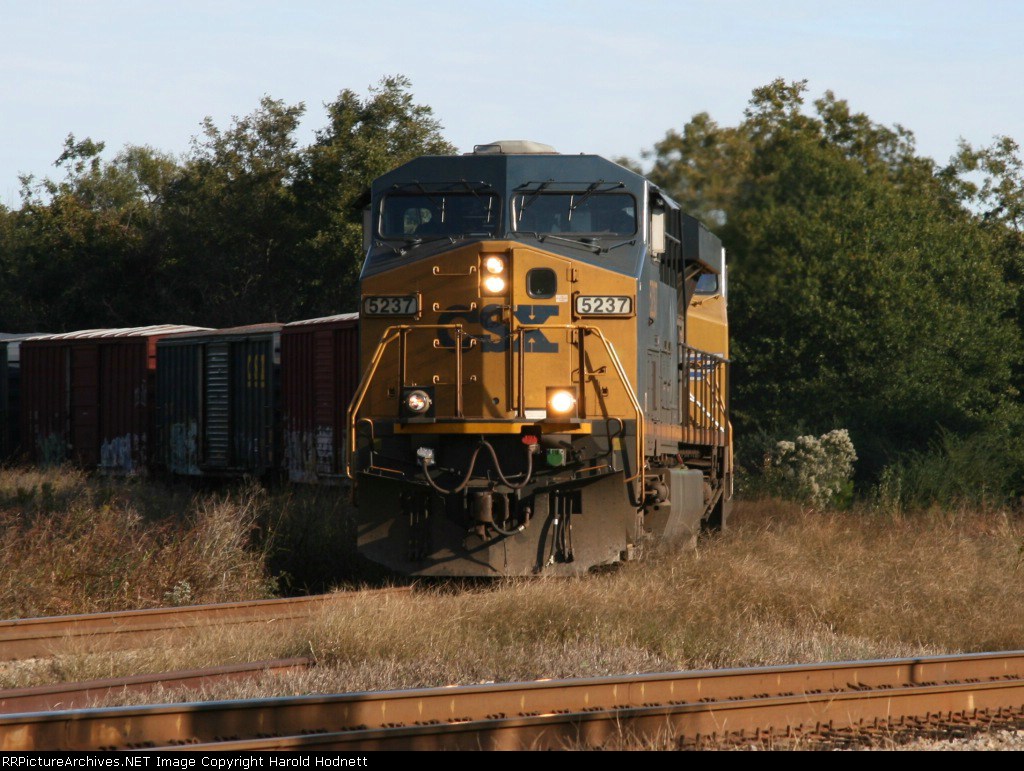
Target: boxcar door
{"x":85,"y":408}
{"x":216,"y":428}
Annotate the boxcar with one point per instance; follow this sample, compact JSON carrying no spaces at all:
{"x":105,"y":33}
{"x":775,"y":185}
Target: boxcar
{"x":87,"y":396}
{"x":319,"y":375}
{"x":218,"y":395}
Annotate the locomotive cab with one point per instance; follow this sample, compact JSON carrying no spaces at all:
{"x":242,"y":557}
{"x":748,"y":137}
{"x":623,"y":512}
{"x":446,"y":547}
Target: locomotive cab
{"x":530,"y":400}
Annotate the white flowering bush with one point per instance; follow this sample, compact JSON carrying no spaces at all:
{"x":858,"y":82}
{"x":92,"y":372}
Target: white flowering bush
{"x":818,"y":470}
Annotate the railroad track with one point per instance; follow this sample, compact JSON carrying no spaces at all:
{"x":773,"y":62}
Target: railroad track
{"x":64,"y":696}
{"x":683,"y":709}
{"x":43,"y":637}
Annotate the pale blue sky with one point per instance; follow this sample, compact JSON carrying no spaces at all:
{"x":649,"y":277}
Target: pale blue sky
{"x":597,"y":76}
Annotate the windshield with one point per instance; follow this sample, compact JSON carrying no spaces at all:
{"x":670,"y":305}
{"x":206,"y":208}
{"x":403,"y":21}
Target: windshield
{"x":585,"y":212}
{"x":707,"y":283}
{"x":439,"y":214}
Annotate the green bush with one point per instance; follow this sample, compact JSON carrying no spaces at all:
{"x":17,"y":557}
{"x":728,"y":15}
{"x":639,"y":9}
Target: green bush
{"x":977,"y":470}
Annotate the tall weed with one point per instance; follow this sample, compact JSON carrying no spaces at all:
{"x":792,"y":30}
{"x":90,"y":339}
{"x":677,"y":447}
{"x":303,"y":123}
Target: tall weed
{"x":980,"y":470}
{"x":73,"y":545}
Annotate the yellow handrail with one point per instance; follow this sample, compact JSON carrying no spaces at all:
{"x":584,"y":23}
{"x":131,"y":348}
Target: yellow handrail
{"x":389,"y":335}
{"x":360,"y":394}
{"x":521,"y":329}
{"x":397,"y":331}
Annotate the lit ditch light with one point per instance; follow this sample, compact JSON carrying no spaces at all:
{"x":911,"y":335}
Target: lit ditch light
{"x":494,"y":274}
{"x":561,"y":402}
{"x":494,"y":284}
{"x":417,"y":402}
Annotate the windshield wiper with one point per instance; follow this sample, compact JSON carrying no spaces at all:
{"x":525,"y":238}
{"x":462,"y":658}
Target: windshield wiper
{"x":471,"y":234}
{"x":481,"y":185}
{"x":409,"y":243}
{"x":593,"y":189}
{"x":589,"y":192}
{"x":533,"y":197}
{"x":582,"y":242}
{"x":416,"y":185}
{"x":479,"y":198}
{"x":606,"y":249}
{"x":392,"y":247}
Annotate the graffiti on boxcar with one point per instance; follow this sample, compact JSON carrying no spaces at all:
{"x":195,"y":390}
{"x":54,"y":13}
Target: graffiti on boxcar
{"x":184,"y":448}
{"x":53,"y":450}
{"x":117,"y":454}
{"x":310,"y":456}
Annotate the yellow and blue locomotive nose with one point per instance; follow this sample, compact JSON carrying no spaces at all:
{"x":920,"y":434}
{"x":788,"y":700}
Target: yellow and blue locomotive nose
{"x":490,"y":326}
{"x":525,"y":356}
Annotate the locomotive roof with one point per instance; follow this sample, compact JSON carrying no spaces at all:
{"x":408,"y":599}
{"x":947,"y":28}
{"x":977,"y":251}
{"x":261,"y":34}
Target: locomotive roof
{"x":491,"y":168}
{"x":507,"y":171}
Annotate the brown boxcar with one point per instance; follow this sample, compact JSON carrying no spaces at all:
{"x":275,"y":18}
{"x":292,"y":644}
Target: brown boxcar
{"x":87,"y":396}
{"x":319,"y":374}
{"x":218,"y":401}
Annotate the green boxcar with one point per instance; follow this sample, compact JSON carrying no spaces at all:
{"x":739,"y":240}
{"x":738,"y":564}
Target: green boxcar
{"x":218,"y":397}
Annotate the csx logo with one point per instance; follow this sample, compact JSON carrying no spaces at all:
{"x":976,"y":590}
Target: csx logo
{"x":495,"y":331}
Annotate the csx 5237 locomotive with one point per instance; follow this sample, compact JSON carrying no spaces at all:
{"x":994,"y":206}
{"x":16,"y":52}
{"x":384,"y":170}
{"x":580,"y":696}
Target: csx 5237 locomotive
{"x":544,"y":352}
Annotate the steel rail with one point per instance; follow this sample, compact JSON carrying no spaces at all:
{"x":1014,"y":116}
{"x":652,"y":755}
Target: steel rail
{"x":794,"y":717}
{"x":703,"y":692}
{"x":48,"y":636}
{"x":63,"y":696}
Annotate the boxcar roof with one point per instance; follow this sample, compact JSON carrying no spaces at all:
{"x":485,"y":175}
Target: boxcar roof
{"x":325,"y":320}
{"x":106,"y":334}
{"x":250,"y":329}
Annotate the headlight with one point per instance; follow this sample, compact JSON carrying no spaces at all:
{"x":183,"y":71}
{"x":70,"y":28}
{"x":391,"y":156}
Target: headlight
{"x":494,"y":284}
{"x":417,"y":402}
{"x":561,"y":401}
{"x":494,"y":264}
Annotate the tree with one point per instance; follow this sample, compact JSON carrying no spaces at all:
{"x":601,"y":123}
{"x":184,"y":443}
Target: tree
{"x":249,"y":226}
{"x":701,"y":166}
{"x":230,"y":223}
{"x":364,"y":138}
{"x":1000,"y":195}
{"x":864,"y":294}
{"x":77,"y":250}
{"x":260,"y":229}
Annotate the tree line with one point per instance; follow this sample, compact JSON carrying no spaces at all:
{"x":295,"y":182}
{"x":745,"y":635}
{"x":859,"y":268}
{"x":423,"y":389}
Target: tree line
{"x":871,"y":288}
{"x":247,"y":226}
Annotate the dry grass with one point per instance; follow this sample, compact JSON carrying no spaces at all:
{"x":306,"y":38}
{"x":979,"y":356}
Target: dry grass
{"x":786,"y":585}
{"x":69,"y":544}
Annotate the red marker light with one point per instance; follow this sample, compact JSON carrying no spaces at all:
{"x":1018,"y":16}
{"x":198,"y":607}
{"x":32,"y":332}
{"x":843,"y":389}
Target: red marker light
{"x":529,"y":439}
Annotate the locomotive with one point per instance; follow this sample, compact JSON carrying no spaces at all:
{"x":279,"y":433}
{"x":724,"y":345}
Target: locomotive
{"x":544,"y":349}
